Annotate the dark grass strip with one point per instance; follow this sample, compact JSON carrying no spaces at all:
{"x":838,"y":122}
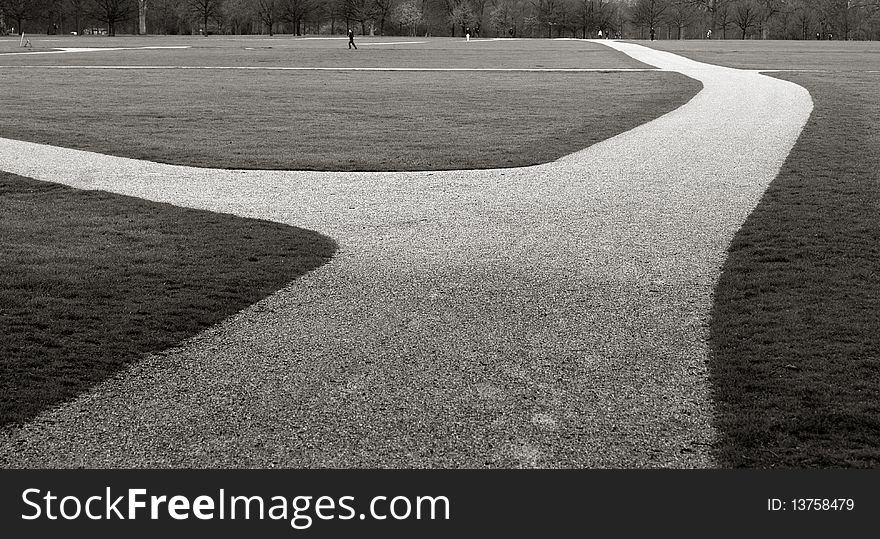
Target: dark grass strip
{"x":795,"y":328}
{"x":829,"y":56}
{"x":91,"y":281}
{"x":336,"y":121}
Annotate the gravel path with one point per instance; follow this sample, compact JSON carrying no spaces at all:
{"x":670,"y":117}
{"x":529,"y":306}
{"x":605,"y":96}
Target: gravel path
{"x":549,"y":316}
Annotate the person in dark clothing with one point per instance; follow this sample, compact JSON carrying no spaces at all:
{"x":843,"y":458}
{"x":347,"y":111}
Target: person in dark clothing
{"x":351,"y":39}
{"x":652,"y":33}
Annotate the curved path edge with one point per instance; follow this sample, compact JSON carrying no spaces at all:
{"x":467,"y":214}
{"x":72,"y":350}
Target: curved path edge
{"x":547,"y":316}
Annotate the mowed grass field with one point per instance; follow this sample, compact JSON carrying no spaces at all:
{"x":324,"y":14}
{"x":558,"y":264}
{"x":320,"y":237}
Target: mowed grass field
{"x":823,"y":56}
{"x":90,"y":282}
{"x":795,"y":329}
{"x":325,"y":52}
{"x":270,"y":118}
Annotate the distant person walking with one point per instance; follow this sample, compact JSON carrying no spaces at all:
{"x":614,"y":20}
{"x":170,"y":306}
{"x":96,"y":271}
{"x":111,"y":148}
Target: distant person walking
{"x":709,"y":34}
{"x":351,"y":40}
{"x":652,"y":33}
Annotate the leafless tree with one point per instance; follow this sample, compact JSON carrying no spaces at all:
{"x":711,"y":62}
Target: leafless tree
{"x":142,"y":16}
{"x":77,"y":8}
{"x":358,"y":11}
{"x":648,"y":13}
{"x":746,"y":15}
{"x":381,"y":10}
{"x":295,"y":11}
{"x":681,"y":14}
{"x":19,"y":11}
{"x":205,"y":10}
{"x":111,"y":12}
{"x":268,"y":11}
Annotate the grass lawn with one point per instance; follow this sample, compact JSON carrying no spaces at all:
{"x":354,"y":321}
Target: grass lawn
{"x":779,"y":55}
{"x":337,"y":120}
{"x":795,"y":329}
{"x":91,"y":281}
{"x":288,"y":51}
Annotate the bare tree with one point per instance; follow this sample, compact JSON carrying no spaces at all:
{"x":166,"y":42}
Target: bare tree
{"x":724,"y":16}
{"x":295,"y":11}
{"x":76,"y":8}
{"x":803,"y":14}
{"x":550,"y":13}
{"x":746,"y":15}
{"x":334,"y":9}
{"x":52,"y":12}
{"x":142,"y":16}
{"x":767,"y":10}
{"x":239,"y":15}
{"x":205,"y":10}
{"x":478,"y":7}
{"x":648,"y":13}
{"x":595,"y":15}
{"x":381,"y":9}
{"x":167,"y":16}
{"x":111,"y":12}
{"x":461,"y":16}
{"x":358,"y":11}
{"x":719,"y":13}
{"x":681,"y":14}
{"x":19,"y":11}
{"x":268,"y":11}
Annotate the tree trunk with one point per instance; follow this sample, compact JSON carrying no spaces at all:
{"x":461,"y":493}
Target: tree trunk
{"x":713,"y":19}
{"x":142,"y":17}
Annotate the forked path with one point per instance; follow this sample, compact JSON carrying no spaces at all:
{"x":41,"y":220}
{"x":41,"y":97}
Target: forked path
{"x":551,"y":316}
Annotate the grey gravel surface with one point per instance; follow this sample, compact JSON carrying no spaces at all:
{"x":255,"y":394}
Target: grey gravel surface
{"x":548,"y":316}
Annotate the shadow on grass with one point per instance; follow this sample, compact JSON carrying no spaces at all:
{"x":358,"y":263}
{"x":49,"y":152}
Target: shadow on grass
{"x":92,"y":281}
{"x":795,"y":329}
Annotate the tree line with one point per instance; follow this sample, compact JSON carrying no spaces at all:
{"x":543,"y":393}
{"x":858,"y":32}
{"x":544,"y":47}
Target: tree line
{"x":669,"y":19}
